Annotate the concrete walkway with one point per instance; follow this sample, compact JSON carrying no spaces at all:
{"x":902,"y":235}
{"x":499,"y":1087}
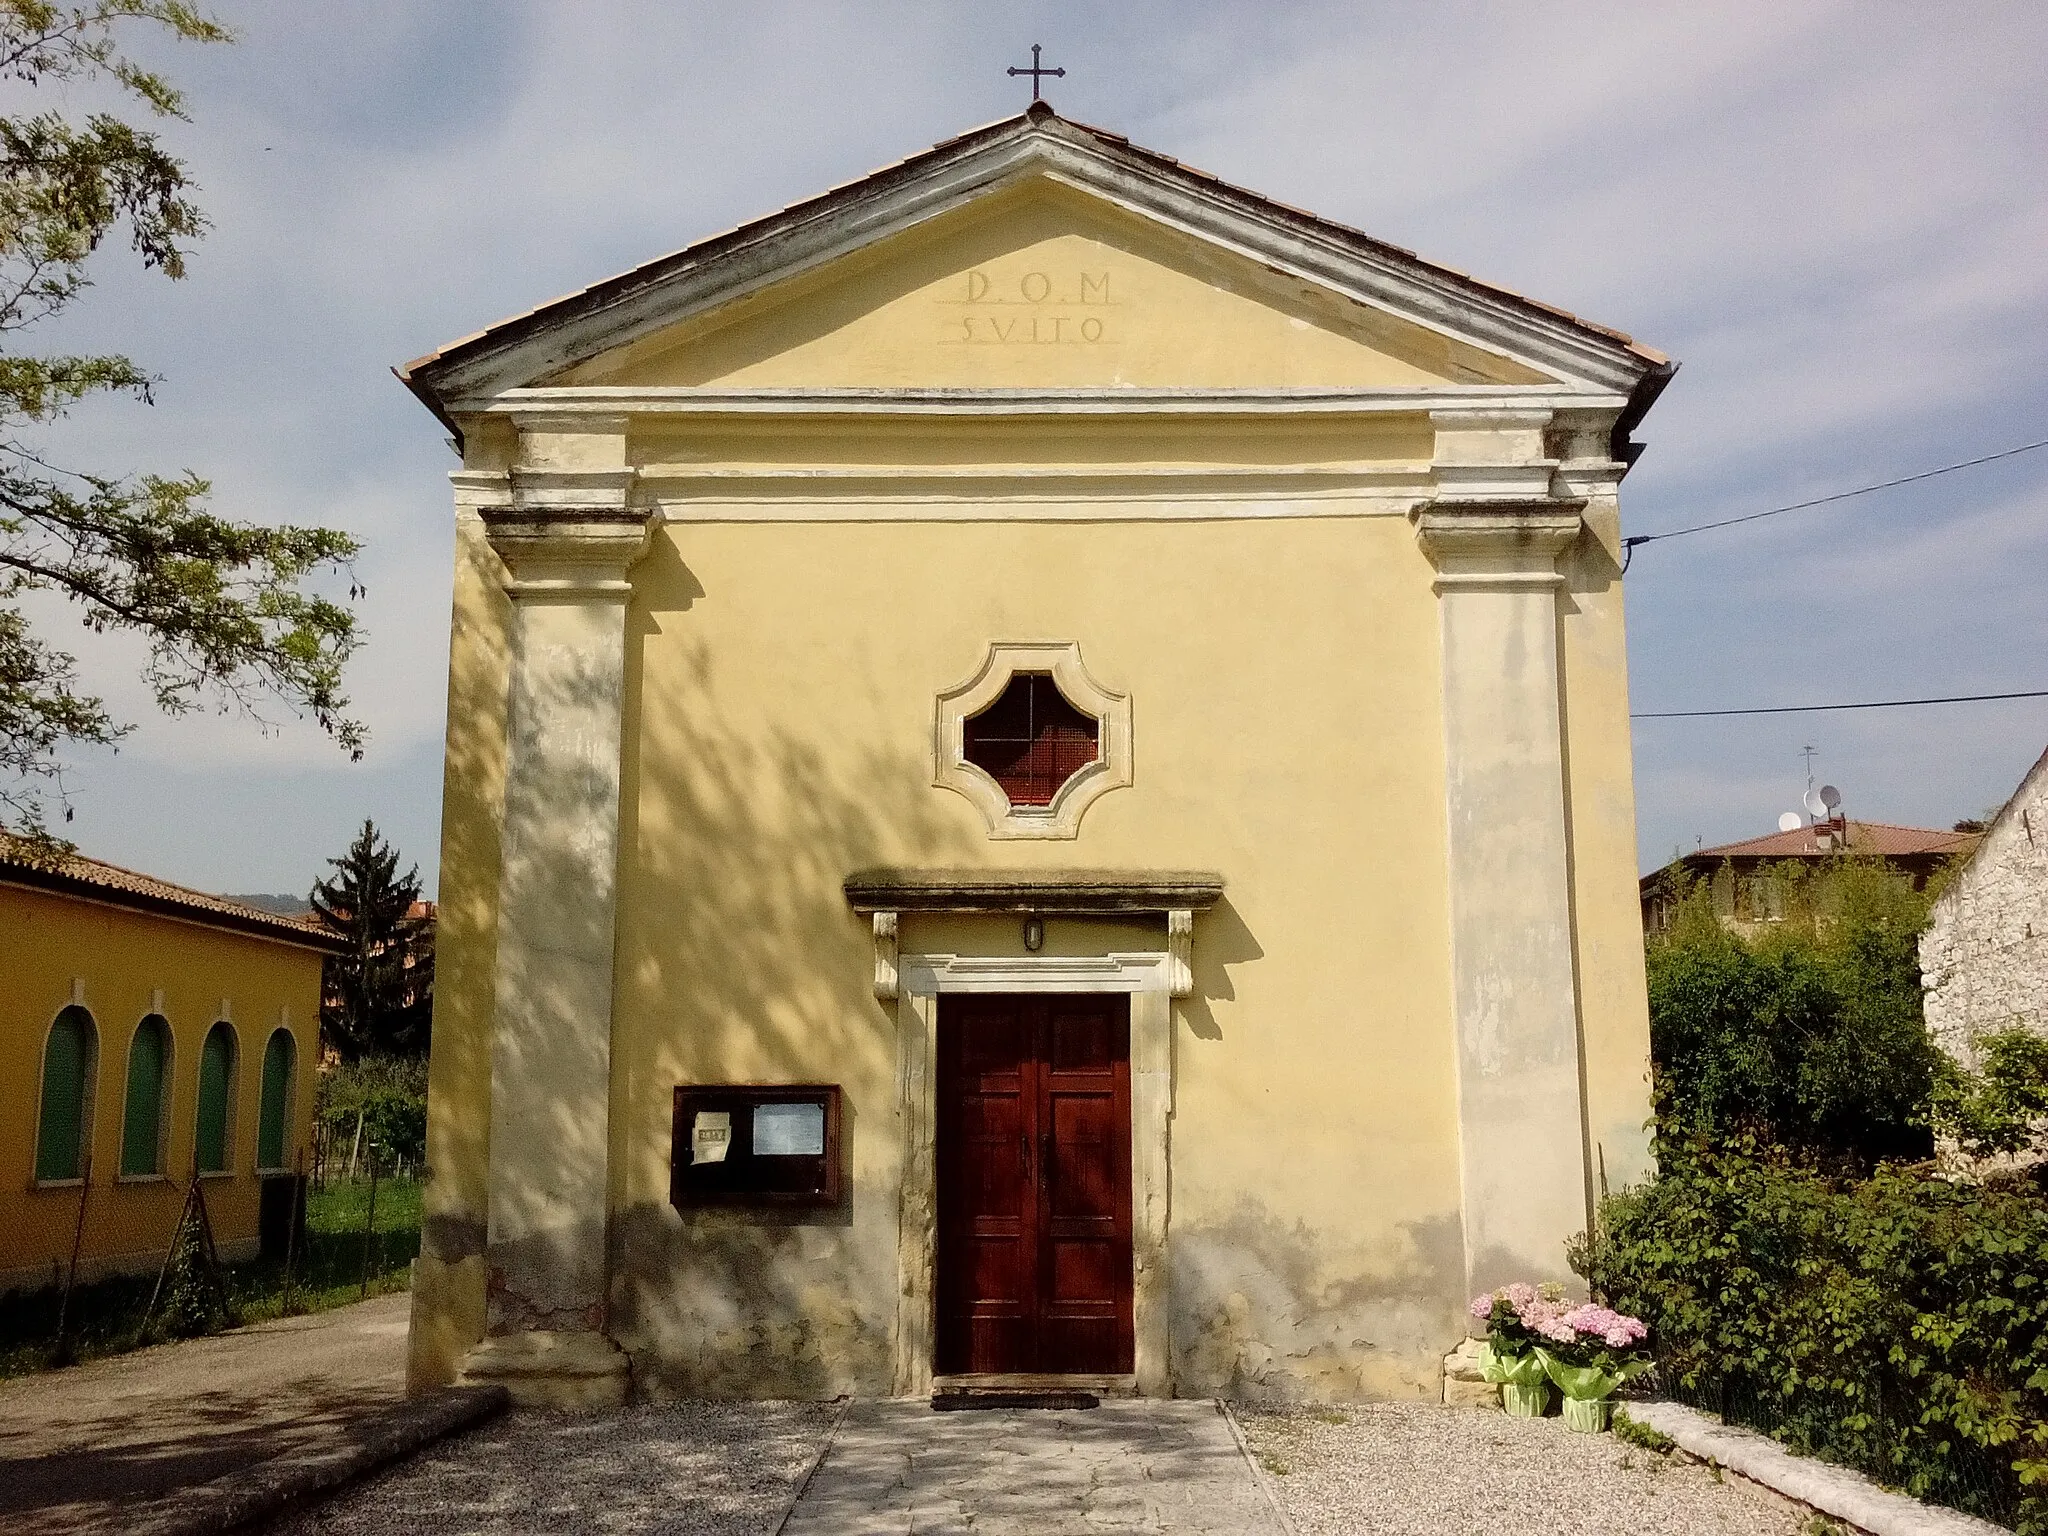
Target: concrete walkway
{"x":101,"y":1446}
{"x":1168,"y":1467}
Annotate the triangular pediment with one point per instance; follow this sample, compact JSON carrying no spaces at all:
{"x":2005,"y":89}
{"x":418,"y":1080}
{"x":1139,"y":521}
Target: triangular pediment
{"x":1035,"y":254}
{"x":1043,"y":285}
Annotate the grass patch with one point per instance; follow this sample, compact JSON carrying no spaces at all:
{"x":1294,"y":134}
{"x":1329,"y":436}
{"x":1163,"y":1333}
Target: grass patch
{"x":1630,"y":1432}
{"x":106,"y":1316}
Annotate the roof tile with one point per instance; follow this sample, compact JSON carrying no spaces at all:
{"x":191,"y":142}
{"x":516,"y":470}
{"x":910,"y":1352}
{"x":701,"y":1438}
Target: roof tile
{"x":1866,"y":837}
{"x":75,"y":874}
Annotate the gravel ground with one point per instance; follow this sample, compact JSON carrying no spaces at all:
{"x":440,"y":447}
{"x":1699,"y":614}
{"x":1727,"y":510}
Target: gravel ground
{"x":1393,"y":1470}
{"x":699,"y":1469}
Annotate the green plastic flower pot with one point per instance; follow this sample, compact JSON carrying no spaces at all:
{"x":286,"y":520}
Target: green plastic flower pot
{"x":1587,"y":1415}
{"x":1525,"y":1402}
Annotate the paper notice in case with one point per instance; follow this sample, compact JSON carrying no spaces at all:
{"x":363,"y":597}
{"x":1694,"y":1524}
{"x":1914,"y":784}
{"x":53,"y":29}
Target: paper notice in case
{"x":710,"y":1135}
{"x":789,"y":1130}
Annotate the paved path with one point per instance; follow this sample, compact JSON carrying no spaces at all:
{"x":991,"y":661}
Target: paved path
{"x":687,"y":1469}
{"x":1167,"y":1467}
{"x":86,"y":1449}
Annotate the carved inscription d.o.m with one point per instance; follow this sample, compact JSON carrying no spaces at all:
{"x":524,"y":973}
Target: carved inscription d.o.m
{"x":1039,"y":308}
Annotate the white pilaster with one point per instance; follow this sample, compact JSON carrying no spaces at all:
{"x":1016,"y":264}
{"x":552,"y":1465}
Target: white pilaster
{"x":568,"y":539}
{"x":1521,"y":1128}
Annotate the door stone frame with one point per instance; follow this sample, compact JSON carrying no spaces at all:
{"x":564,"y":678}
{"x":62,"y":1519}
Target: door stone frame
{"x":1146,"y":977}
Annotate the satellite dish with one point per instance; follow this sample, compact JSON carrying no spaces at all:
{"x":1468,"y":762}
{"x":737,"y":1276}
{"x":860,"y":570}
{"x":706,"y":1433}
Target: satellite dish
{"x":1816,"y":807}
{"x":1789,"y":822}
{"x":1831,"y":797}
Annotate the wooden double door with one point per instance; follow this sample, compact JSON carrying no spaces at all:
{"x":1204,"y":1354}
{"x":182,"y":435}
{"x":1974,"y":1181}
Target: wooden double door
{"x":1034,"y":1165}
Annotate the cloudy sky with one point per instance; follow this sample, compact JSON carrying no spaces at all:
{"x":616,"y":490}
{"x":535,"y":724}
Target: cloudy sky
{"x":1832,"y":214}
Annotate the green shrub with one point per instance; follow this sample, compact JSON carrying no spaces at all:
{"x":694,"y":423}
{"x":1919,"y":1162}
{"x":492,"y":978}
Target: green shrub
{"x":1996,"y":1108}
{"x":189,"y":1305}
{"x":1808,"y":1034}
{"x":1898,"y":1323}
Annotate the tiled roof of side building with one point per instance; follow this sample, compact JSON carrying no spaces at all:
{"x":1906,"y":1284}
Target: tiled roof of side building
{"x":1867,"y":837}
{"x":74,"y":874}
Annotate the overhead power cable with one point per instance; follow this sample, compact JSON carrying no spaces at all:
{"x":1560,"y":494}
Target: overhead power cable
{"x":1801,"y":709}
{"x":1628,"y":545}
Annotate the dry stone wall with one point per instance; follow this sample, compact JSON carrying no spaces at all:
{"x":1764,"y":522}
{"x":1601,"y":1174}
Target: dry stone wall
{"x":1984,"y":957}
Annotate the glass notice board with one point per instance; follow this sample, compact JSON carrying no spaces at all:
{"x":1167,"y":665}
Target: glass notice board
{"x":744,"y":1144}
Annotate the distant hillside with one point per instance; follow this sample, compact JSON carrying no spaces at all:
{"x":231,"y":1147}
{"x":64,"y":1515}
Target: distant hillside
{"x":283,"y":906}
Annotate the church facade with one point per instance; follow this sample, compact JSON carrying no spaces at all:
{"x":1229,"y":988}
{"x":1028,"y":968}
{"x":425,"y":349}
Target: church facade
{"x":1038,"y":783}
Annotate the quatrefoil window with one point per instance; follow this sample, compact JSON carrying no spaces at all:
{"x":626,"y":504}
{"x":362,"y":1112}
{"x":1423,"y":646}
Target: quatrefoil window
{"x":1032,"y":740}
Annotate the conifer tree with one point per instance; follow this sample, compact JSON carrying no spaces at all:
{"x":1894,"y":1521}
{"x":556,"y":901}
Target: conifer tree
{"x":377,"y":996}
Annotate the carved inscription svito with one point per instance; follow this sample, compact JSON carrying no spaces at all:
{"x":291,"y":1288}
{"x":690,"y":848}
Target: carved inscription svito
{"x":1043,"y":309}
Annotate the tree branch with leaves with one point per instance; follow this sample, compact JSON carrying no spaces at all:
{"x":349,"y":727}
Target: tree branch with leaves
{"x":229,"y":610}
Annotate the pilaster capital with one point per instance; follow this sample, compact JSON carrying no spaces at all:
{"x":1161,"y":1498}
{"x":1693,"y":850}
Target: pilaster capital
{"x":1497,"y":542}
{"x":569,"y":555}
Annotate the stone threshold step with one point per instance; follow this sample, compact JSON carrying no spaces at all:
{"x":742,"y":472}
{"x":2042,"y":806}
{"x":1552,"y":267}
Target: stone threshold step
{"x":952,"y":1402}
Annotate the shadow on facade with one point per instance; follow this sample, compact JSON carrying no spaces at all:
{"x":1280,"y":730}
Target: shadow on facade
{"x":739,"y":961}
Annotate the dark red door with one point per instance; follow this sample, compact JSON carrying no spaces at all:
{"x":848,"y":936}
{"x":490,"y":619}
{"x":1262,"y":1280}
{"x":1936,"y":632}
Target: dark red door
{"x":1034,"y":1155}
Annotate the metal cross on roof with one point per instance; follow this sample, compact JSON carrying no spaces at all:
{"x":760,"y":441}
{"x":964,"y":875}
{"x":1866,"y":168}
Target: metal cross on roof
{"x":1035,"y":71}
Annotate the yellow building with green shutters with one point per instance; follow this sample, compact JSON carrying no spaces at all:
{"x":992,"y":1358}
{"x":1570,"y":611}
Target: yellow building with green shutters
{"x":148,"y":1034}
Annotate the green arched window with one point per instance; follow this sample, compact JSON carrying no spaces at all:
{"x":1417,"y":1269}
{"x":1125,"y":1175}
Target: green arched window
{"x":70,"y":1055}
{"x":217,"y":1099}
{"x":280,"y":1056}
{"x":142,"y":1120}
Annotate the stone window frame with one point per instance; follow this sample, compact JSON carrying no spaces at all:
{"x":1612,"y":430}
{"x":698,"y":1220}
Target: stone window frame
{"x":220,"y":1029}
{"x":287,"y":1099}
{"x":133,"y":1129}
{"x":1061,"y":819}
{"x":86,"y":1095}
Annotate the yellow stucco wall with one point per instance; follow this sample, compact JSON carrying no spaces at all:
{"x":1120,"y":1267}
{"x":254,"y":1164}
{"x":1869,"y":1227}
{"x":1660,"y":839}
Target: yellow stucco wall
{"x":1289,"y":733}
{"x":124,"y":958}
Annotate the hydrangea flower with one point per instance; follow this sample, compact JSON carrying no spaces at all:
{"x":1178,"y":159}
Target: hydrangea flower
{"x":1617,"y":1330}
{"x":1547,"y":1314}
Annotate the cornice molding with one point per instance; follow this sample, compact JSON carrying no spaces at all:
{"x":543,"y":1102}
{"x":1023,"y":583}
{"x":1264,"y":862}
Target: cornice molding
{"x":536,"y":408}
{"x":1083,"y":892}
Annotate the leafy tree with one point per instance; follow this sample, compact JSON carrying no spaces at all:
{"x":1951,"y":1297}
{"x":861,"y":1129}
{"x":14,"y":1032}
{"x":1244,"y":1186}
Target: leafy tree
{"x":378,"y":997}
{"x":1808,"y":1035}
{"x":223,"y":605}
{"x":387,"y":1097}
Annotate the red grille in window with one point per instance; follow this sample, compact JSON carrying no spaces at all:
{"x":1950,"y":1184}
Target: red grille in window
{"x":1031,"y":740}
